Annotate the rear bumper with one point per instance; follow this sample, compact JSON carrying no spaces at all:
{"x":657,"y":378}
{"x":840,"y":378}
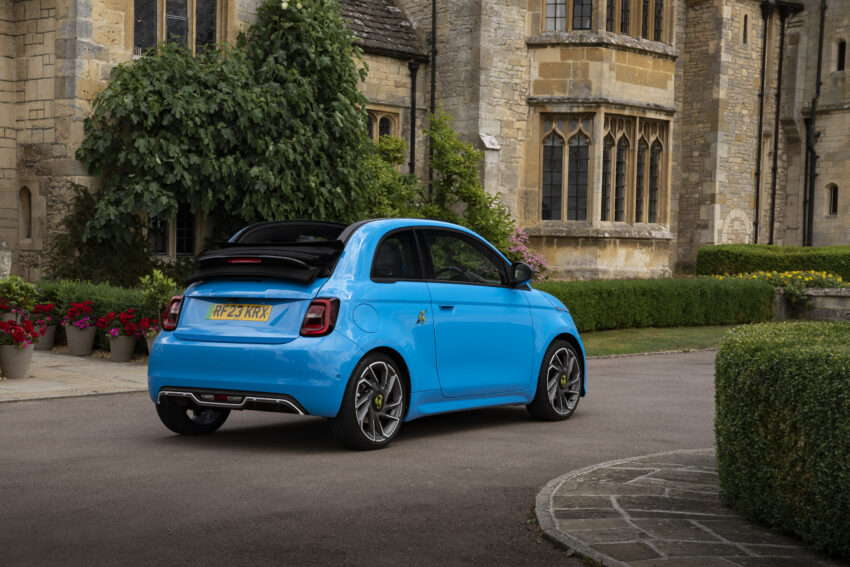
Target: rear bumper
{"x":311,"y":373}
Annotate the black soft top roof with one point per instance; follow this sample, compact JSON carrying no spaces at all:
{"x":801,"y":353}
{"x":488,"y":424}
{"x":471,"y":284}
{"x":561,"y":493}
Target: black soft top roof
{"x":298,"y":251}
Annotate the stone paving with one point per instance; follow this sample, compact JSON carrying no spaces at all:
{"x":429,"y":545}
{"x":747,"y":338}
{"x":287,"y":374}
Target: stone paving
{"x":658,"y":510}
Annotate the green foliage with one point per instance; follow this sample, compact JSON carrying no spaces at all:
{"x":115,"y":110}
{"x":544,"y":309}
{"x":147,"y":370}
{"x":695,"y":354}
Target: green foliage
{"x":624,"y":304}
{"x":793,"y":283}
{"x":391,"y":194}
{"x":113,"y":260}
{"x":18,"y":294}
{"x":157,"y":289}
{"x":745,"y":258}
{"x":271,"y":128}
{"x":783,"y":428}
{"x":457,"y":195}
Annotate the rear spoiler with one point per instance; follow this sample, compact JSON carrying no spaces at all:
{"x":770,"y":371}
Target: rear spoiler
{"x":301,"y":262}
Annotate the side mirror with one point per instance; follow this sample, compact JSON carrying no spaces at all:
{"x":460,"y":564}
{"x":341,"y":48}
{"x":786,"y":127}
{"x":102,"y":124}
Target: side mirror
{"x":521,"y":274}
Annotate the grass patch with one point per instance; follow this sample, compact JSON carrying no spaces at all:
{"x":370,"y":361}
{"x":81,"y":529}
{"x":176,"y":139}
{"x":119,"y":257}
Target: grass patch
{"x":633,"y":341}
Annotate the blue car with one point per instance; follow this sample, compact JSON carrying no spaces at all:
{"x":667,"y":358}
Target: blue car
{"x":369,"y":325}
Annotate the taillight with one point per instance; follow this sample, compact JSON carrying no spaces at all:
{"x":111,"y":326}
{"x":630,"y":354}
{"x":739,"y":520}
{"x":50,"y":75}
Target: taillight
{"x":172,"y":313}
{"x":320,"y":317}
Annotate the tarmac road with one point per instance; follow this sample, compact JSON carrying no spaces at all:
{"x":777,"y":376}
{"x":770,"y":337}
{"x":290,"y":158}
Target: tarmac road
{"x":99,"y":481}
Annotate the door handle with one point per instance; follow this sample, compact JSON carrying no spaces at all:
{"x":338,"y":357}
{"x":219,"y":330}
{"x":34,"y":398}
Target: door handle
{"x":447,"y":307}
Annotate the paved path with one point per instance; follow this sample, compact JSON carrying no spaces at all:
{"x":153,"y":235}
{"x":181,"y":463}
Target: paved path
{"x":659,"y":510}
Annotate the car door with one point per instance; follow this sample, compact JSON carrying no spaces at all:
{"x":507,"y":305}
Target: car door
{"x":482,"y":327}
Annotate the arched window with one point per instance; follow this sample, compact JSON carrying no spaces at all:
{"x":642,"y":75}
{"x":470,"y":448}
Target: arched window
{"x":609,"y":15}
{"x":582,"y":10}
{"x":832,"y":195}
{"x":625,"y":16}
{"x":24,"y":213}
{"x":577,"y":179}
{"x":841,"y":56}
{"x":640,"y":180}
{"x":606,"y":178}
{"x":620,"y":180}
{"x":654,"y":180}
{"x":746,"y":25}
{"x":553,"y":174}
{"x":644,"y":20}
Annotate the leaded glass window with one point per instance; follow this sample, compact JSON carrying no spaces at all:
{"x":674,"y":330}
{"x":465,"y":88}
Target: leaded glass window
{"x":654,"y":180}
{"x":644,"y":20}
{"x":606,"y":178}
{"x":205,"y":23}
{"x":556,"y":15}
{"x":157,"y":236}
{"x":185,"y":231}
{"x":659,"y":21}
{"x":609,"y":15}
{"x":180,"y":18}
{"x":177,"y":21}
{"x":620,"y":180}
{"x":625,"y":15}
{"x":640,"y":180}
{"x":553,"y":172}
{"x":144,"y":26}
{"x":577,"y":179}
{"x":582,"y":14}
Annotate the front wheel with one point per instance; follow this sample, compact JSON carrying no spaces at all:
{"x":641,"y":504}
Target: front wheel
{"x":373,"y":405}
{"x":189,"y":421}
{"x":559,"y":383}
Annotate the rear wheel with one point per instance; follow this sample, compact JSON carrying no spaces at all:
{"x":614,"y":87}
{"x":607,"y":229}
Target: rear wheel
{"x":191,"y":421}
{"x":373,"y":404}
{"x":559,"y":383}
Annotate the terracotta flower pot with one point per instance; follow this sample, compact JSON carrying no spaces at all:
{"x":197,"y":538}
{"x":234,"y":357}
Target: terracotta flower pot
{"x":121,"y":348}
{"x":80,"y":341}
{"x":15,"y":363}
{"x":46,"y":341}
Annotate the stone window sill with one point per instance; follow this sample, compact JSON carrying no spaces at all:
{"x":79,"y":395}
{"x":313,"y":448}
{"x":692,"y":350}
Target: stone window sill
{"x":603,"y":39}
{"x":578,"y":229}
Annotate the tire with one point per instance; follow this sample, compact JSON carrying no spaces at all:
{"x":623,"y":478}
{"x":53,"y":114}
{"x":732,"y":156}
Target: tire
{"x":188,"y":421}
{"x":558,"y":384}
{"x":373,"y":405}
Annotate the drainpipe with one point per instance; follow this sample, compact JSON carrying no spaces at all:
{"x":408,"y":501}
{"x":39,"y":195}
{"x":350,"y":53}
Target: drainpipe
{"x":807,"y":125}
{"x":782,"y":16}
{"x":767,"y":9}
{"x":433,"y":88}
{"x":414,"y":67}
{"x":812,"y":136}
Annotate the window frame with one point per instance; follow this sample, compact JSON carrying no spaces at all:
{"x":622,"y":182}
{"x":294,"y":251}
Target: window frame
{"x":417,"y":246}
{"x":476,"y":242}
{"x":641,"y":19}
{"x":161,"y":19}
{"x":374,"y":117}
{"x":841,"y":55}
{"x":170,"y":235}
{"x":832,"y":200}
{"x":579,"y":124}
{"x":569,"y":18}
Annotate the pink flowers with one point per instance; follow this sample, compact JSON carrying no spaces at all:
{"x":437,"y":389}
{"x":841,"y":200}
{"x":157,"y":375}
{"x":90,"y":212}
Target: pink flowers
{"x":519,"y":248}
{"x":78,"y":315}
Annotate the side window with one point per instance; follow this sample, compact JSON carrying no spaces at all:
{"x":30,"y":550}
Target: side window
{"x":397,"y":258}
{"x":457,"y":258}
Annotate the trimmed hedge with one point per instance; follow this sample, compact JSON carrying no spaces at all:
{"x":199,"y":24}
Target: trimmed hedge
{"x":744,"y":258}
{"x":783,"y":428}
{"x":624,"y":304}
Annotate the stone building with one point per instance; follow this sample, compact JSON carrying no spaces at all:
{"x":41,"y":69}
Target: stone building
{"x":622,"y":134}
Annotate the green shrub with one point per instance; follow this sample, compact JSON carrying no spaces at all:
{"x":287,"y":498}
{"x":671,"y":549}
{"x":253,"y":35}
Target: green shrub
{"x":744,"y":258}
{"x":783,"y":428}
{"x":623,"y":304}
{"x":794,"y":283}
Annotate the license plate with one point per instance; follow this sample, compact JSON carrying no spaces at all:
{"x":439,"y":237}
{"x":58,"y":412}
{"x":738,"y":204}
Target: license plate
{"x":239,"y":312}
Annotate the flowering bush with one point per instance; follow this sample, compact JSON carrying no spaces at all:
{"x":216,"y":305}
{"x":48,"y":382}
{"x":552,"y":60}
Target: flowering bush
{"x":79,"y":315}
{"x":149,"y":327}
{"x":17,"y":296}
{"x":518,"y":250}
{"x":43,"y":314}
{"x":21,"y":335}
{"x":793,"y":283}
{"x":121,"y":325}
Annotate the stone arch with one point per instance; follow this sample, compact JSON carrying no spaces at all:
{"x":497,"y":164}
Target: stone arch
{"x":737,"y":228}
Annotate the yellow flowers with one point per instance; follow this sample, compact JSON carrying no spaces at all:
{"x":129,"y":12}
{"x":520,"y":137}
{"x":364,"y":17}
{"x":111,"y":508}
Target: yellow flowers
{"x":807,"y":278}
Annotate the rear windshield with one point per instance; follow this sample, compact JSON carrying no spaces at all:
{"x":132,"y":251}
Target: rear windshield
{"x":298,"y":251}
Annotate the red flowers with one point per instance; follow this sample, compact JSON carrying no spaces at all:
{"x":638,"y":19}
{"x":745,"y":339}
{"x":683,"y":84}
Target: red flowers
{"x":78,"y":315}
{"x":123,"y":323}
{"x":20,"y":334}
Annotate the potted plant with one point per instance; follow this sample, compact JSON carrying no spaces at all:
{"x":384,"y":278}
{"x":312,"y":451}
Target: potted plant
{"x":43,"y":314}
{"x":16,"y":347}
{"x":122,"y":332}
{"x":149,"y":328}
{"x":157,"y":289}
{"x":79,"y":328}
{"x":17,"y":298}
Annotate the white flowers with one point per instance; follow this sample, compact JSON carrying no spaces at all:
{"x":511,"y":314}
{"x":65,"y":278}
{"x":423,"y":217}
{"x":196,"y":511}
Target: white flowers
{"x":298,"y":5}
{"x":284,"y":4}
